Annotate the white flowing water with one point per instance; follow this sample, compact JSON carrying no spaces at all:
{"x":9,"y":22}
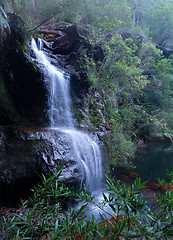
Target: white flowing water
{"x":87,"y":151}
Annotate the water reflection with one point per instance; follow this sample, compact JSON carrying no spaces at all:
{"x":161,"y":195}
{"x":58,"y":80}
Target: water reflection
{"x":153,"y":160}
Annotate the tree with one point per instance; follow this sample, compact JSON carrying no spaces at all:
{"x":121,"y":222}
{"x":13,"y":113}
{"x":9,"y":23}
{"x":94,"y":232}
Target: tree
{"x":161,"y":21}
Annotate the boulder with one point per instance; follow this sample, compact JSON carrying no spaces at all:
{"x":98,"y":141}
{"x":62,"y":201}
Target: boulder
{"x":133,"y":174}
{"x":65,"y":40}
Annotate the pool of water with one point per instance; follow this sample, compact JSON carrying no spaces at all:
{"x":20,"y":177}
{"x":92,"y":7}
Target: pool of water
{"x":153,"y":160}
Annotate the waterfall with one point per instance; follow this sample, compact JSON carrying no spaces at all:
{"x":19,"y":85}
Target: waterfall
{"x":87,"y":151}
{"x":59,"y":111}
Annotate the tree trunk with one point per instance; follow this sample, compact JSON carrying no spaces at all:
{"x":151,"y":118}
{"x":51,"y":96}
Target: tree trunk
{"x":134,"y":14}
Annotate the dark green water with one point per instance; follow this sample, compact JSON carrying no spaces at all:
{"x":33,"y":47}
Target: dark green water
{"x":153,"y":160}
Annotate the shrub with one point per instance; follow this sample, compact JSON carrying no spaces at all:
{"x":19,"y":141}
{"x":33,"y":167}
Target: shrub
{"x":127,"y":210}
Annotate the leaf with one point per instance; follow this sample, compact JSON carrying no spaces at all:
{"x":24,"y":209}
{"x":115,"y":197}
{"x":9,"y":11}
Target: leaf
{"x":92,"y":218}
{"x":158,"y":225}
{"x":81,"y":209}
{"x":18,"y":232}
{"x":106,"y":232}
{"x":33,"y":209}
{"x":56,"y":226}
{"x":105,"y":198}
{"x":123,"y":226}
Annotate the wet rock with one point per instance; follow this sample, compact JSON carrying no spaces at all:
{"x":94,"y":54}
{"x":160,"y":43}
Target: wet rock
{"x":153,"y":185}
{"x":26,"y":152}
{"x":166,"y":187}
{"x":55,"y":148}
{"x":123,"y":177}
{"x":133,"y":174}
{"x":61,"y":45}
{"x":149,"y":194}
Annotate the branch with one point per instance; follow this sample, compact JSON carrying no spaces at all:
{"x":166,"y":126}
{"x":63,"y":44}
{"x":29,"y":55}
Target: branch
{"x":42,"y":23}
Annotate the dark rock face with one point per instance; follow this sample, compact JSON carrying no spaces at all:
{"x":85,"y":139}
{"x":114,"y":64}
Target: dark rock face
{"x":26,"y":152}
{"x":23,"y":80}
{"x":17,"y":30}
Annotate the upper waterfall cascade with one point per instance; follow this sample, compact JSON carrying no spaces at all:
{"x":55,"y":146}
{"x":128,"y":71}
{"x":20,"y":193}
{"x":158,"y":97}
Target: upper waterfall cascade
{"x":87,"y":151}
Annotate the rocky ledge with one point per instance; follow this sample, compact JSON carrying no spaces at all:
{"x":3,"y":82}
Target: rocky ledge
{"x":27,"y":152}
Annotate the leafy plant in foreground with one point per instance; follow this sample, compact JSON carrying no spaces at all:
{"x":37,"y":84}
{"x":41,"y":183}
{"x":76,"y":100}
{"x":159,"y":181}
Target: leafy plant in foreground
{"x":128,"y":216}
{"x":48,"y":212}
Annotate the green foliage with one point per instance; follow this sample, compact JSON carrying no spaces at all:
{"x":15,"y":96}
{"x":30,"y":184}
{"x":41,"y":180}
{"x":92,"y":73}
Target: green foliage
{"x":95,"y":113}
{"x":122,"y":147}
{"x":111,"y":8}
{"x":155,"y":18}
{"x":135,"y":81}
{"x":120,"y":81}
{"x":71,"y":10}
{"x":156,"y":99}
{"x":128,"y":214}
{"x":161,"y":20}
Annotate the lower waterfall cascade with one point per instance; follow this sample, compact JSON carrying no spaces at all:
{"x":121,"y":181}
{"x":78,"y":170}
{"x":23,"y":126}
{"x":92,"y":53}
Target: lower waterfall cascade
{"x":87,"y":151}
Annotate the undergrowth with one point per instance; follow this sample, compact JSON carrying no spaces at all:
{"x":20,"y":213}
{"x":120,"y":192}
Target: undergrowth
{"x":48,"y":215}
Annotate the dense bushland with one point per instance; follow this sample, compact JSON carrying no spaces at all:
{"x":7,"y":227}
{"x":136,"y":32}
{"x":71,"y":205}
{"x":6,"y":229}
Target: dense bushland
{"x":135,"y":82}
